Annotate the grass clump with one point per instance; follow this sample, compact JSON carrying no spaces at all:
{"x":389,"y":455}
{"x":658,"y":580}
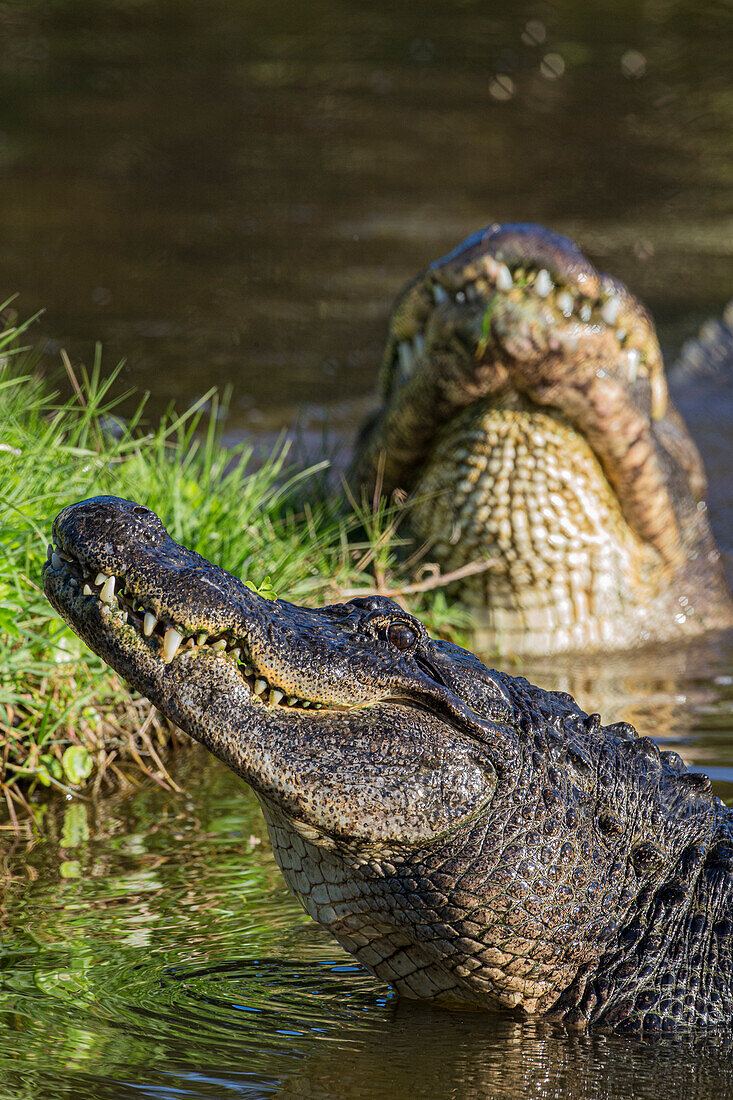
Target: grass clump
{"x":66,"y":720}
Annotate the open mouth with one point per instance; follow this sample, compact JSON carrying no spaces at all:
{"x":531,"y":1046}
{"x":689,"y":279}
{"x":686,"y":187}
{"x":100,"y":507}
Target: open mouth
{"x":483,"y":279}
{"x":117,"y":603}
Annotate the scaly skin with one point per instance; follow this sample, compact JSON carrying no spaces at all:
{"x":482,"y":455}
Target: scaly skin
{"x":526,"y":411}
{"x":470,"y":838}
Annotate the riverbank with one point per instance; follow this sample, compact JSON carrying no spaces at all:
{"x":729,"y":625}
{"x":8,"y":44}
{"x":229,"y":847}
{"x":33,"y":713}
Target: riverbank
{"x":66,"y":721}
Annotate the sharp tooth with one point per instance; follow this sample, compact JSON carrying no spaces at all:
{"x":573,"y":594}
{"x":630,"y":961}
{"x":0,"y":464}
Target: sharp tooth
{"x":418,"y":344}
{"x":260,"y":686}
{"x":404,"y":351}
{"x":439,"y":295}
{"x":633,"y":357}
{"x":660,"y":395}
{"x":543,"y":283}
{"x":149,"y":623}
{"x":611,"y":310}
{"x":236,"y":653}
{"x":100,"y":578}
{"x":248,"y":670}
{"x":87,"y":590}
{"x":620,"y":335}
{"x":55,"y":560}
{"x":565,"y":302}
{"x":504,"y":279}
{"x":107,"y":594}
{"x":291,"y":700}
{"x":49,"y":552}
{"x":221,"y":644}
{"x":276,"y":695}
{"x":201,"y":638}
{"x":171,"y":642}
{"x":305,"y":702}
{"x":585,"y":312}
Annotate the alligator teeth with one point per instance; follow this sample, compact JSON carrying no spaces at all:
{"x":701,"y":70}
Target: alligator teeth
{"x":236,"y":653}
{"x":633,"y":357}
{"x":260,"y":686}
{"x":49,"y":551}
{"x":407,"y":360}
{"x":248,"y":670}
{"x":220,"y":644}
{"x":87,"y":590}
{"x":585,"y":312}
{"x":291,"y":700}
{"x":107,"y":594}
{"x":171,"y":642}
{"x":201,"y":638}
{"x":611,"y":310}
{"x":55,"y":560}
{"x":543,"y":283}
{"x":418,"y":344}
{"x":149,"y":623}
{"x":439,"y":294}
{"x":565,"y":302}
{"x":275,"y":695}
{"x":504,"y":279}
{"x":305,"y":702}
{"x":100,"y":578}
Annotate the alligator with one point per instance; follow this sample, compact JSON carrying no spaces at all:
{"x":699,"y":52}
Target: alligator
{"x":525,"y":409}
{"x":471,"y":839}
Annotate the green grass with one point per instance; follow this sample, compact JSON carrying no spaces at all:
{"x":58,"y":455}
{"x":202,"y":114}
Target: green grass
{"x":66,"y":720}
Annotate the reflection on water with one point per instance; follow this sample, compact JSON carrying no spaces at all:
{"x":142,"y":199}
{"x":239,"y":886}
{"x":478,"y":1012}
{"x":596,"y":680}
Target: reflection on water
{"x":173,"y":959}
{"x":149,"y":948}
{"x":233,"y":192}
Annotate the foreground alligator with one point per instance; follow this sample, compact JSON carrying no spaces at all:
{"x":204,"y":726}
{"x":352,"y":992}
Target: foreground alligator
{"x":525,"y":409}
{"x":471,"y":839}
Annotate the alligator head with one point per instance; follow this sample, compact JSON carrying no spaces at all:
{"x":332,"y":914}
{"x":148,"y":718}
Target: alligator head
{"x":525,"y":408}
{"x":468,"y":837}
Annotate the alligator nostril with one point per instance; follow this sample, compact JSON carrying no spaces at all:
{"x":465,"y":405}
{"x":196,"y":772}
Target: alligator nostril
{"x":140,"y":511}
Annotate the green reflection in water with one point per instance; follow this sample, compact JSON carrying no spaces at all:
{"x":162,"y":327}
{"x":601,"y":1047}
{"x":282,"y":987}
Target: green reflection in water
{"x":177,"y":964}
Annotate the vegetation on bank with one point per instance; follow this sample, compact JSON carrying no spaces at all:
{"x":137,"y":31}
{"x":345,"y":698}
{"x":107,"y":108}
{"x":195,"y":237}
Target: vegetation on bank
{"x":66,"y":720}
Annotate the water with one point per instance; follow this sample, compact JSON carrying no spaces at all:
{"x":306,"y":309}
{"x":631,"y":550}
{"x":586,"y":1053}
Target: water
{"x":150,"y":949}
{"x":231,"y":194}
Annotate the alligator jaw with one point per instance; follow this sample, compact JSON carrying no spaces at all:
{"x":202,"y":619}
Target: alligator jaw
{"x":290,"y":692}
{"x":102,"y":605}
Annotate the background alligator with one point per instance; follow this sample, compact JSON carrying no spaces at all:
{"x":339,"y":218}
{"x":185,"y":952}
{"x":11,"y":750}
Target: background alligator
{"x":526,"y":410}
{"x":470,"y":838}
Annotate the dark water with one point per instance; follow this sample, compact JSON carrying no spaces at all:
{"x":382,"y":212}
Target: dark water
{"x":232,"y":193}
{"x":229,"y":192}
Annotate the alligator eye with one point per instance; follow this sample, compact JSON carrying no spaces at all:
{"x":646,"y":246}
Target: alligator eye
{"x":402,"y":635}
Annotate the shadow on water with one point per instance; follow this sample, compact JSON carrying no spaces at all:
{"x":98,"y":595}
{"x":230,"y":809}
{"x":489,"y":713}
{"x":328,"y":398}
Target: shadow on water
{"x":232,"y":193}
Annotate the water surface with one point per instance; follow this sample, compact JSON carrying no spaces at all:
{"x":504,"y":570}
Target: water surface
{"x":231,"y":193}
{"x":150,"y":949}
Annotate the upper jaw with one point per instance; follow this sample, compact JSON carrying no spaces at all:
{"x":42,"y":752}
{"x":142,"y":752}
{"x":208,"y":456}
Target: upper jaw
{"x":527,"y":269}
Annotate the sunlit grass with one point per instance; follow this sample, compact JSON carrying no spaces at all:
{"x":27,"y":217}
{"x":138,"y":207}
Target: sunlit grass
{"x":66,"y":720}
